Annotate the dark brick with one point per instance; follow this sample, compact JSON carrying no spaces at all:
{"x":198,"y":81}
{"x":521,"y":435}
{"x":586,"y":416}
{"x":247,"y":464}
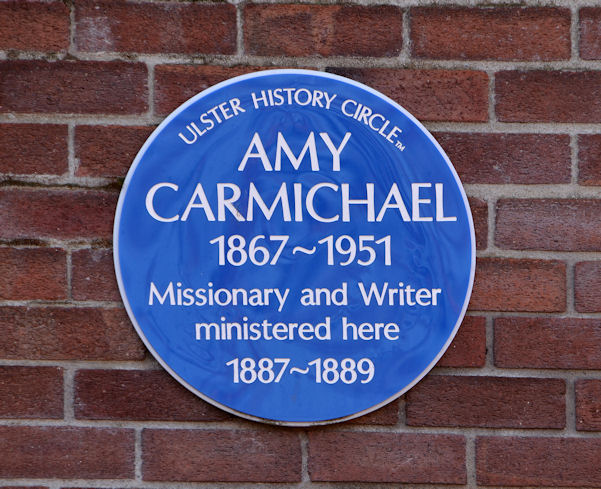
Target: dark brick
{"x":468,"y":348}
{"x":31,"y":392}
{"x":549,"y":224}
{"x":33,"y":149}
{"x":66,"y":452}
{"x":487,"y":402}
{"x":52,"y":333}
{"x":108,"y":151}
{"x":132,"y":395}
{"x":221,"y":455}
{"x":78,"y":87}
{"x":548,"y":343}
{"x":589,"y":159}
{"x":336,"y":456}
{"x":587,"y":286}
{"x":62,"y":214}
{"x":513,"y":461}
{"x":588,"y":405}
{"x":509,"y":158}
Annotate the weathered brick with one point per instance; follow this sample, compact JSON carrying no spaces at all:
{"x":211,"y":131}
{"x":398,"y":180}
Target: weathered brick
{"x":108,"y":151}
{"x":431,"y":95}
{"x":132,"y":395}
{"x":221,"y":455}
{"x":590,"y":32}
{"x":587,"y":286}
{"x":174,"y":84}
{"x":79,"y":87}
{"x":191,"y":28}
{"x":33,"y":273}
{"x":324,"y":30}
{"x":34,"y":26}
{"x":504,"y":284}
{"x":93,"y":276}
{"x":468,"y":348}
{"x":66,"y":452}
{"x":568,"y":343}
{"x":549,"y":224}
{"x":524,"y":34}
{"x":479,"y":210}
{"x":31,"y":392}
{"x":588,"y":404}
{"x":589,"y":159}
{"x":63,"y":214}
{"x":386,"y":457}
{"x":52,"y":333}
{"x":513,"y":461}
{"x":487,"y":402}
{"x":509,"y":158}
{"x":33,"y":149}
{"x":548,"y":96}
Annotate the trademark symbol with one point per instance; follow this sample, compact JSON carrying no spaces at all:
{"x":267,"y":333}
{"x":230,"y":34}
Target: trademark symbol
{"x":398,"y":145}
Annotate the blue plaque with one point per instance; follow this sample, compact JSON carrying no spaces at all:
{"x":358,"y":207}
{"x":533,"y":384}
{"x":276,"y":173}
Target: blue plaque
{"x":294,"y":247}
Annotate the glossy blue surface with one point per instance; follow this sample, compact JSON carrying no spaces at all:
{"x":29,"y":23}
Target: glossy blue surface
{"x":430,"y":254}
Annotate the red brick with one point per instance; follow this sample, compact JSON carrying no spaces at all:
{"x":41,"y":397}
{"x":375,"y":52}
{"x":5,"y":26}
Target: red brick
{"x":52,"y":333}
{"x":132,"y":395}
{"x":567,"y":343}
{"x":525,"y":34}
{"x":34,"y":26}
{"x":221,"y":456}
{"x":94,"y":276}
{"x":587,"y":286}
{"x":108,"y":151}
{"x":548,"y":96}
{"x":468,"y":348}
{"x":431,"y":95}
{"x":386,"y":415}
{"x":513,"y":461}
{"x":549,"y":224}
{"x":79,"y":87}
{"x":509,"y":158}
{"x":479,"y":210}
{"x":61,"y":452}
{"x":324,"y":30}
{"x":63,"y":214}
{"x":190,"y":28}
{"x":31,"y":392}
{"x":174,"y":84}
{"x":487,"y":402}
{"x":590,"y":33}
{"x":33,"y":149}
{"x":504,"y":284}
{"x":589,"y":157}
{"x":33,"y":273}
{"x":386,"y":457}
{"x":588,"y":404}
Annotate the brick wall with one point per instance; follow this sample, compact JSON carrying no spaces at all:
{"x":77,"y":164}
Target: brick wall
{"x":513,"y":95}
